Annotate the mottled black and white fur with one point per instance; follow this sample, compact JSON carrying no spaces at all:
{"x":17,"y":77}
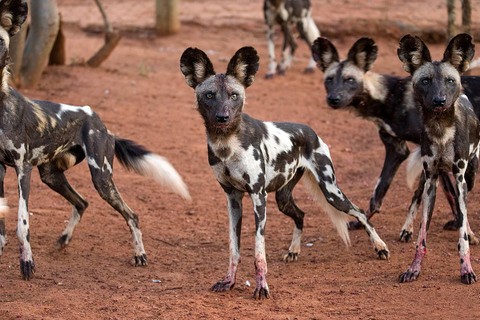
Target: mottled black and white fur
{"x":55,"y":137}
{"x":287,"y":13}
{"x":387,"y":101}
{"x":256,"y":157}
{"x":449,"y":138}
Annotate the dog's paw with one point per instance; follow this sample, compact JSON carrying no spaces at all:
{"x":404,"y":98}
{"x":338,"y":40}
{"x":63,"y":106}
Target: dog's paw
{"x":383,"y":254}
{"x":406,"y":236}
{"x":469,"y":277}
{"x":451,"y":225}
{"x":269,"y":76}
{"x":473,"y":240}
{"x":223,"y":285}
{"x":140,"y":260}
{"x":408,"y":276}
{"x":261,"y":293}
{"x":290,"y":257}
{"x":309,"y":70}
{"x":281,"y":72}
{"x":355,"y":225}
{"x":27,"y":268}
{"x":62,"y":242}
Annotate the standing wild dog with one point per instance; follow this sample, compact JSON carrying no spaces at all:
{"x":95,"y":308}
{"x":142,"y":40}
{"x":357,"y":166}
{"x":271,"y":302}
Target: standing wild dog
{"x":387,"y":101}
{"x":249,"y":155}
{"x":55,"y":137}
{"x":449,"y":138}
{"x":287,"y":13}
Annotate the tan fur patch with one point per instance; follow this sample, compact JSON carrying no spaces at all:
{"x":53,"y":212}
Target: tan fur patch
{"x":66,"y":161}
{"x":375,"y":86}
{"x":43,"y":119}
{"x":331,"y":70}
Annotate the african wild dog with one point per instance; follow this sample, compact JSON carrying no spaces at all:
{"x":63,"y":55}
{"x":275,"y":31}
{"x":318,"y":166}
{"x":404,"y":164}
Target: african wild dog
{"x":449,"y":138}
{"x":388,"y":102}
{"x":287,"y":13}
{"x":249,"y":155}
{"x":55,"y":137}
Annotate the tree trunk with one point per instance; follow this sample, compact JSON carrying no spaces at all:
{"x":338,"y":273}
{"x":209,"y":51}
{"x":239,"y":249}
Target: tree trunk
{"x":451,"y":29}
{"x":466,"y":16}
{"x":40,"y":40}
{"x":167,"y":19}
{"x":111,"y":41}
{"x":17,"y":45}
{"x":58,"y":54}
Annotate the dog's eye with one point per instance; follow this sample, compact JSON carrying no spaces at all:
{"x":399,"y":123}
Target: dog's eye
{"x":209,"y":95}
{"x":350,"y":80}
{"x":234,"y":96}
{"x":426,"y":81}
{"x":329,"y":80}
{"x":450,"y":81}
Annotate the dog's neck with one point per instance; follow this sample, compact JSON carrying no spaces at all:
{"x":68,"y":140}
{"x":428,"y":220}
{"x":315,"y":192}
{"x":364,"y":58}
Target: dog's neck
{"x":5,"y":87}
{"x":219,"y":139}
{"x":439,"y":125}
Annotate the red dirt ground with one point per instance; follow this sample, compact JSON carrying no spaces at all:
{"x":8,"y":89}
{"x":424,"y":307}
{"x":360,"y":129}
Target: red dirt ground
{"x":141,"y":94}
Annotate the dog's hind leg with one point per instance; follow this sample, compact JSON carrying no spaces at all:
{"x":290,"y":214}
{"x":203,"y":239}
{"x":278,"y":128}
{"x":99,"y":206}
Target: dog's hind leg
{"x":234,"y":199}
{"x":289,"y":47}
{"x":27,"y":266}
{"x":54,"y":177}
{"x":3,"y":210}
{"x":269,"y":12}
{"x":407,"y":229}
{"x":99,"y":151}
{"x":396,"y":151}
{"x":309,"y":31}
{"x":336,"y":203}
{"x":287,"y":205}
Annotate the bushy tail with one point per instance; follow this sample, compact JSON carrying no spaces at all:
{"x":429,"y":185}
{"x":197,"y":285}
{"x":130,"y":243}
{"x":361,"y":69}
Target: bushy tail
{"x":414,"y":167}
{"x":339,"y":219}
{"x":137,"y":158}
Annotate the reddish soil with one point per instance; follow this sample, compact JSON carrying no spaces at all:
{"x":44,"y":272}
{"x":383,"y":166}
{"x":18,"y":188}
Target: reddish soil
{"x":140,"y":94}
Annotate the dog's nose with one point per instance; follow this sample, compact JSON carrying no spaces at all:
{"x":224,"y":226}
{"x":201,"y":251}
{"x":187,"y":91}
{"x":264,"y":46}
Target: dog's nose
{"x":439,"y":101}
{"x":333,"y":100}
{"x":222,"y":118}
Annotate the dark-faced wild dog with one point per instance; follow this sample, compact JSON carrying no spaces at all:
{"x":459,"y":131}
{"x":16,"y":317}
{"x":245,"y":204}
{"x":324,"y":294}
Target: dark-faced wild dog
{"x":287,"y":13}
{"x":387,"y":101}
{"x":449,"y":138}
{"x":256,"y":157}
{"x":55,"y":137}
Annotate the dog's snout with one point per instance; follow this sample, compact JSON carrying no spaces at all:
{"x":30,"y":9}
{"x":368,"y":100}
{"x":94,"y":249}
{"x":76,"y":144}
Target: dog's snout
{"x":439,"y":101}
{"x":222,"y":118}
{"x":333,"y":100}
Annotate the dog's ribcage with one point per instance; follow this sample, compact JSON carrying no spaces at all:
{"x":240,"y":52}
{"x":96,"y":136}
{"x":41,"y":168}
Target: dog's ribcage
{"x":266,"y":164}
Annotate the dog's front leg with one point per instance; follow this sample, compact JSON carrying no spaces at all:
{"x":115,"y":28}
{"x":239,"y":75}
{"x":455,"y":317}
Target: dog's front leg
{"x":428,"y":199}
{"x":234,"y":199}
{"x":407,"y":229}
{"x":3,"y":210}
{"x":466,"y":271}
{"x":259,"y":201}
{"x":27,"y":266}
{"x":269,"y":12}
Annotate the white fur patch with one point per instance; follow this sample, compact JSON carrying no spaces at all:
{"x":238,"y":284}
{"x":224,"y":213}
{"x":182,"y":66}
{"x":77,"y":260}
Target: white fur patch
{"x":414,"y":167}
{"x":68,"y":108}
{"x":160,"y":170}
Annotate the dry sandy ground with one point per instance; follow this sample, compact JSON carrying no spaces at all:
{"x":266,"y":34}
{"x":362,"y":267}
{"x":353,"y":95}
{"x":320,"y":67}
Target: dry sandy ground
{"x":141,"y":94}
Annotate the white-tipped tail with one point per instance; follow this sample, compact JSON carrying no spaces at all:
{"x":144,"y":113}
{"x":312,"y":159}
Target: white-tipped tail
{"x":3,"y":207}
{"x":414,"y":167}
{"x":159,"y":169}
{"x":339,"y":219}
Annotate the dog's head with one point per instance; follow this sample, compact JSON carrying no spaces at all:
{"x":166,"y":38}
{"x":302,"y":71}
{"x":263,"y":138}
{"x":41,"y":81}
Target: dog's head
{"x":13,"y":14}
{"x":220,"y":97}
{"x":436,"y":84}
{"x":344,"y":79}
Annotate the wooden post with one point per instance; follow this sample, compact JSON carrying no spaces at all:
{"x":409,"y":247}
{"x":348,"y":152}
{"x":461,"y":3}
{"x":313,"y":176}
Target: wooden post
{"x":451,"y":19}
{"x":167,"y":19}
{"x":40,"y":40}
{"x":466,"y":16}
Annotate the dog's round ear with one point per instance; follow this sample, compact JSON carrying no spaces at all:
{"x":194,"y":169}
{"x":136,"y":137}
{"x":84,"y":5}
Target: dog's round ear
{"x":324,"y":53}
{"x":13,"y":14}
{"x":413,"y":53}
{"x":460,"y":52}
{"x":363,"y":53}
{"x":244,"y":65}
{"x":195,"y":66}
